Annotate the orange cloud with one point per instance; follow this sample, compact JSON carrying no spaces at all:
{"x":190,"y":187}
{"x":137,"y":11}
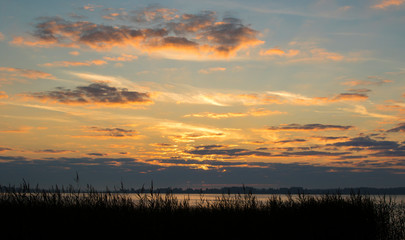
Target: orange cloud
{"x":279,"y":52}
{"x":96,"y":62}
{"x":211,"y":70}
{"x":23,"y":129}
{"x":388,"y":3}
{"x":293,"y":98}
{"x":91,"y":7}
{"x":122,"y":58}
{"x":254,"y":112}
{"x":26,"y":73}
{"x":377,"y":81}
{"x":111,"y":16}
{"x":3,"y":94}
{"x":1,"y":36}
{"x":74,"y":53}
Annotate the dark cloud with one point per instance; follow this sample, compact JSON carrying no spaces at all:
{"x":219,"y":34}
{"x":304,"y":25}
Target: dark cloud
{"x":315,"y":153}
{"x":52,"y":151}
{"x":367,"y":142}
{"x":400,"y":128}
{"x":208,"y":147}
{"x":309,"y":127}
{"x":381,"y":148}
{"x":359,"y":90}
{"x":292,"y":140}
{"x":101,"y":172}
{"x":350,"y":96}
{"x":114,"y":132}
{"x":97,"y":154}
{"x":95,"y":93}
{"x":151,"y":30}
{"x":228,"y":152}
{"x":2,"y":149}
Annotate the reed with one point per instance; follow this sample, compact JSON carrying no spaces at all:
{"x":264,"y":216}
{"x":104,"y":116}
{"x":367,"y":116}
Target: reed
{"x":328,"y":216}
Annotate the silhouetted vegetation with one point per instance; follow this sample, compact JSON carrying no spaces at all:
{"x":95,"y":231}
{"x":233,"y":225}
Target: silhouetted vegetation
{"x":72,"y":213}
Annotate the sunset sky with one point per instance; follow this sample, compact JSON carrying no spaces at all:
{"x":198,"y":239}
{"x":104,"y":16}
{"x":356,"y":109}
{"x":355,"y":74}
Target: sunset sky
{"x":189,"y":93}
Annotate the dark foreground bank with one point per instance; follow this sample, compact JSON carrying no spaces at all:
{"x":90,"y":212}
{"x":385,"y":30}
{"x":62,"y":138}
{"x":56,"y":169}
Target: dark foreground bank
{"x":56,"y":214}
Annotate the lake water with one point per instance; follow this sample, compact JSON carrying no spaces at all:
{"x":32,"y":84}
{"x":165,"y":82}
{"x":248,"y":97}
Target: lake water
{"x":196,"y":198}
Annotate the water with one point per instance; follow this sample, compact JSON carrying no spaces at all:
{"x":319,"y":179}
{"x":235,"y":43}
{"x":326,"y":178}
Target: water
{"x":196,"y":198}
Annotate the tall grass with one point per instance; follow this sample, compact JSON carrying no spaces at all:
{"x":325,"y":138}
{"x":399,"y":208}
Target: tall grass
{"x":70,"y":210}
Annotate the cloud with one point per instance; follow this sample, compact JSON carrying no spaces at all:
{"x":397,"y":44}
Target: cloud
{"x":151,"y":14}
{"x":314,"y":153}
{"x":307,"y":54}
{"x":279,"y":52}
{"x":111,"y":16}
{"x":96,"y":154}
{"x":254,"y":112}
{"x":53,"y":151}
{"x":122,"y":58}
{"x":1,"y":36}
{"x":308,"y":127}
{"x":212,"y":70}
{"x":96,"y":62}
{"x":3,"y":149}
{"x":381,"y":148}
{"x":112,"y":132}
{"x":74,"y":53}
{"x":195,"y":36}
{"x":25,"y":73}
{"x":299,"y":99}
{"x":368,"y":143}
{"x":388,"y":3}
{"x":400,"y":128}
{"x":349,"y":97}
{"x":363,"y":111}
{"x":91,"y":7}
{"x":229,"y":152}
{"x":23,"y":129}
{"x":3,"y":94}
{"x":374,"y":80}
{"x":95,"y":93}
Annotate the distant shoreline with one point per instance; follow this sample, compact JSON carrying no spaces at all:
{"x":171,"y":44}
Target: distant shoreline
{"x":291,"y":190}
{"x":235,"y":190}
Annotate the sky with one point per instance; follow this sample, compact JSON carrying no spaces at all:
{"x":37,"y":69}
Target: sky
{"x":203,"y":94}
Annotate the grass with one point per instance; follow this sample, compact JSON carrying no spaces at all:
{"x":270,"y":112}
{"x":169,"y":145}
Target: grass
{"x":70,"y":213}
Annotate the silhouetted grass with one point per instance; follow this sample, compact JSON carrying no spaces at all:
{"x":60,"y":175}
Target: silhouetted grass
{"x":72,"y":213}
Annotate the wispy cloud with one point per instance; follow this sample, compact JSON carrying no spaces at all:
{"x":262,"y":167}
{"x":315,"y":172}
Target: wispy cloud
{"x":293,"y":98}
{"x":96,"y":62}
{"x":359,"y":109}
{"x":91,"y":7}
{"x":308,"y":127}
{"x":122,"y":58}
{"x":279,"y":52}
{"x":388,"y":3}
{"x":253,"y":112}
{"x":110,"y":132}
{"x":373,"y":80}
{"x":25,"y":73}
{"x":212,"y":70}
